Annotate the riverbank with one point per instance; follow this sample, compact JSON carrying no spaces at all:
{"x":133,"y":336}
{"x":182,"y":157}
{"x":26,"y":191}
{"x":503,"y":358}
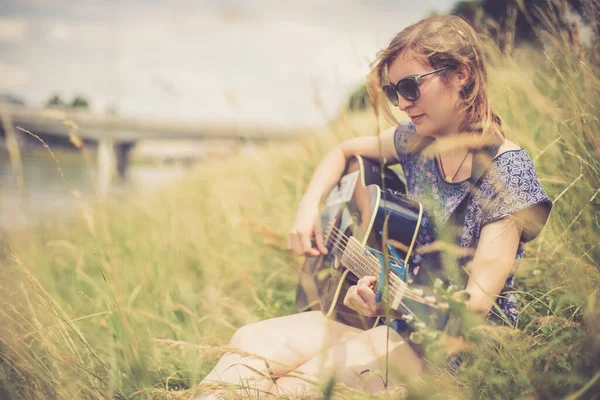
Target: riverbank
{"x":45,"y":194}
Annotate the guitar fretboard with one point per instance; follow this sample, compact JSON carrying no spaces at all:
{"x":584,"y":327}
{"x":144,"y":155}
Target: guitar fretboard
{"x":362,"y":263}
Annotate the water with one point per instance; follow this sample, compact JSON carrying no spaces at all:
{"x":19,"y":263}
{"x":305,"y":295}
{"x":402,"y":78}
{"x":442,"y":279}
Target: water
{"x":44,"y":192}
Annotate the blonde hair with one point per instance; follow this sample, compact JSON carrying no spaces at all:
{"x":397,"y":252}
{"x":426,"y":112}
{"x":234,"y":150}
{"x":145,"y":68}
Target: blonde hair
{"x":437,"y":42}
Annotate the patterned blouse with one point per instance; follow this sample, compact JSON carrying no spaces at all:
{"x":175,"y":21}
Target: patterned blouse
{"x":509,"y":186}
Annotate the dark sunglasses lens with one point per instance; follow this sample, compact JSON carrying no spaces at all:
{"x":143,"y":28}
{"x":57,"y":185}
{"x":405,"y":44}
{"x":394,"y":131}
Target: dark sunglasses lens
{"x":391,"y":94}
{"x":409,"y":89}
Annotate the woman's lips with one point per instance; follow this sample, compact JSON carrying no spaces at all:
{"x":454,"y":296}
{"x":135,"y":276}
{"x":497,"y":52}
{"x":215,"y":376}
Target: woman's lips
{"x":416,"y":117}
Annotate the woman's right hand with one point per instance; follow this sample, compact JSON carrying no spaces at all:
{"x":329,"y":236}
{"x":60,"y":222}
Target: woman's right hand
{"x":307,"y":226}
{"x":362,"y":298}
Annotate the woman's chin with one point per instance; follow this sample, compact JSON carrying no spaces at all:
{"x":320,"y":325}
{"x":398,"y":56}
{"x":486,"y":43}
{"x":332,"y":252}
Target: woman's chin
{"x":426,"y":131}
{"x":421,"y":131}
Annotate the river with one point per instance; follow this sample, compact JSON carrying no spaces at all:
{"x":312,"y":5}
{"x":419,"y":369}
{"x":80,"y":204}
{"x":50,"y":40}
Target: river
{"x":45,"y":194}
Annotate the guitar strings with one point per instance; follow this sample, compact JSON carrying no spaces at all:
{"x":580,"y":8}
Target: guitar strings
{"x":394,"y":279}
{"x":356,"y":257}
{"x":373,"y":270}
{"x":344,"y":239}
{"x":343,"y":235}
{"x":407,"y":292}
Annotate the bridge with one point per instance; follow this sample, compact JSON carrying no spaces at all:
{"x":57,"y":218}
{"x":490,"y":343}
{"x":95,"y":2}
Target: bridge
{"x":116,"y":135}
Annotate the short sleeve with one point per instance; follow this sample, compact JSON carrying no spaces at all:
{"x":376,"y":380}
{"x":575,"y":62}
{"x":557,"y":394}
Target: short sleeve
{"x":404,"y":134}
{"x":512,"y":189}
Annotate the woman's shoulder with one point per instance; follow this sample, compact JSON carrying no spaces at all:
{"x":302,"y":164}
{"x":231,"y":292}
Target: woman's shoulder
{"x":507,"y":146}
{"x":512,"y":185}
{"x":404,"y":133}
{"x":512,"y":166}
{"x":511,"y":159}
{"x":404,"y":136}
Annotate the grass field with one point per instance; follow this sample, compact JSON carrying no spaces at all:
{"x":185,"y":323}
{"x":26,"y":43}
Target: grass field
{"x":136,"y":297}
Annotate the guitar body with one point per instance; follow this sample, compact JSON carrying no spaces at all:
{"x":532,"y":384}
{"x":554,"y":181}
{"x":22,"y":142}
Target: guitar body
{"x":353,"y":221}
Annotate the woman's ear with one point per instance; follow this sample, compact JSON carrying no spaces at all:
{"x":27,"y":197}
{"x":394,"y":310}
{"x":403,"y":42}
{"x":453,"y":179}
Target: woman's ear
{"x":461,"y":77}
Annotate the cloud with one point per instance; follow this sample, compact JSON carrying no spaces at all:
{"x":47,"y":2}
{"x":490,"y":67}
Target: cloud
{"x":12,"y":30}
{"x":189,"y":59}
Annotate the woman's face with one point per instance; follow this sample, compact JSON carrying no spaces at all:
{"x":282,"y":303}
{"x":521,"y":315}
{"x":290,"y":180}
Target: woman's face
{"x":438,"y":103}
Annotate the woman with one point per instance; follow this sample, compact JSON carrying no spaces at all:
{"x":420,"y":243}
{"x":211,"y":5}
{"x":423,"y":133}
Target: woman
{"x":435,"y":73}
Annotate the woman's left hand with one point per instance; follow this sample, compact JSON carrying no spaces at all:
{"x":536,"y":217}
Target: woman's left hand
{"x":361,"y":297}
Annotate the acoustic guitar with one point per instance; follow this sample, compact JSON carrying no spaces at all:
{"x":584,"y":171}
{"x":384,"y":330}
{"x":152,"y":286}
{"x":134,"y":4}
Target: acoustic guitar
{"x":370,"y":229}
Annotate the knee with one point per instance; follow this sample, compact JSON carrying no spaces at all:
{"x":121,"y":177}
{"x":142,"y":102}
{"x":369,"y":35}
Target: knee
{"x":247,"y":337}
{"x":240,"y":337}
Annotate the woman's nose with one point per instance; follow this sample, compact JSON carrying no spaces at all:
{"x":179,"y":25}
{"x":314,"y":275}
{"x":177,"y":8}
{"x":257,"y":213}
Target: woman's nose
{"x":403,"y":104}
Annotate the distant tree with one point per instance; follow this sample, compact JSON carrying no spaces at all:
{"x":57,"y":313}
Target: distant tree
{"x":80,"y":102}
{"x":55,"y":101}
{"x":511,"y":22}
{"x":433,"y":13}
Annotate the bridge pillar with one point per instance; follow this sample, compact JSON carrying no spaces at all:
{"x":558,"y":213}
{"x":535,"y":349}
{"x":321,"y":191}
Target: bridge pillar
{"x":106,"y":165}
{"x":122,"y":151}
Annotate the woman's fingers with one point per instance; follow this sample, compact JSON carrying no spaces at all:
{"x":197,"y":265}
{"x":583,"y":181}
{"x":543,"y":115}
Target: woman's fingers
{"x":300,"y":243}
{"x":306,"y":226}
{"x":361,"y":298}
{"x":305,"y":245}
{"x":368,"y":281}
{"x":365,"y":291}
{"x":319,"y":237}
{"x":353,"y":300}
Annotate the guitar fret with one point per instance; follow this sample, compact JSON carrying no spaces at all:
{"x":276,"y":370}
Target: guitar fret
{"x":352,"y":258}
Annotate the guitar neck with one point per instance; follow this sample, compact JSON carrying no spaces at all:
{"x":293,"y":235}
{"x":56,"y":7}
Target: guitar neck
{"x":361,"y":262}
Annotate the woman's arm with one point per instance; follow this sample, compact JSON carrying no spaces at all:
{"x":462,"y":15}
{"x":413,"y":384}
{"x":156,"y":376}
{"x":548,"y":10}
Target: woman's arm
{"x":327,"y":173}
{"x":492,"y":263}
{"x":330,"y":169}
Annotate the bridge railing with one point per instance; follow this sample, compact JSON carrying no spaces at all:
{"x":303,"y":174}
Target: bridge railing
{"x":93,"y":126}
{"x":116,"y":135}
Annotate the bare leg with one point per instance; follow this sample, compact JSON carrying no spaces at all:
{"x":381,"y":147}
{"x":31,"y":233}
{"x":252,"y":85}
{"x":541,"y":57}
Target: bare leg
{"x":358,"y":362}
{"x":289,"y":340}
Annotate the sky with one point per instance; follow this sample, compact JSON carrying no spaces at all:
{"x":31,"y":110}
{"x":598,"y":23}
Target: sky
{"x":255,"y":61}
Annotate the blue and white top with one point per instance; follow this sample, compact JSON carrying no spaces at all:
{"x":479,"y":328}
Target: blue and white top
{"x":508,"y":187}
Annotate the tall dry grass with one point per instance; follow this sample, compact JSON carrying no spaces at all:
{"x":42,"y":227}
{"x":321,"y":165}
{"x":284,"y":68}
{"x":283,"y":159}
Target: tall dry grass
{"x":136,"y":297}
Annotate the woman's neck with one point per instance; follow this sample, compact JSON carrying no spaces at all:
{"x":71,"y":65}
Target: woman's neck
{"x":453,"y":157}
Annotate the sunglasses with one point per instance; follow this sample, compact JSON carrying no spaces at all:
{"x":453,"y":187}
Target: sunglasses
{"x":407,"y":87}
